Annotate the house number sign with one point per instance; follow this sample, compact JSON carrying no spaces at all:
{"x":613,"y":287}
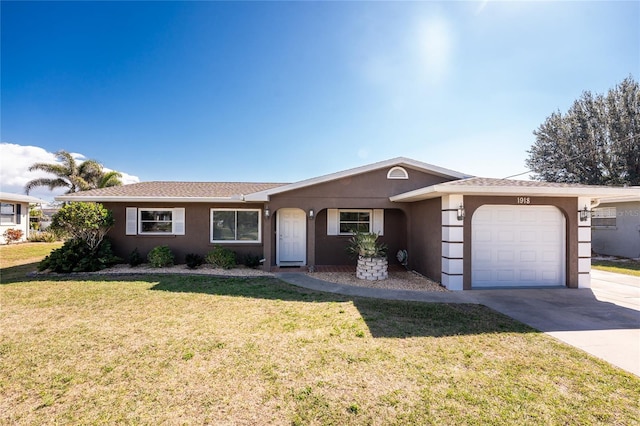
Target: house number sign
{"x":523,"y":200}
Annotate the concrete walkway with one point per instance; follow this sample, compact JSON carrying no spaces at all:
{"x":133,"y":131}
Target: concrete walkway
{"x":603,"y":321}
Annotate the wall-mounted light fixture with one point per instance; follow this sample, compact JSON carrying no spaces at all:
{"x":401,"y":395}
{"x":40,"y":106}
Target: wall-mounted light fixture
{"x":311,"y":213}
{"x":461,"y":212}
{"x":266,"y":211}
{"x":584,"y":214}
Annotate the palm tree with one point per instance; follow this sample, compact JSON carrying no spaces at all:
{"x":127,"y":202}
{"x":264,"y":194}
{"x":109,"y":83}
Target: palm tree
{"x":69,"y":174}
{"x":111,"y":178}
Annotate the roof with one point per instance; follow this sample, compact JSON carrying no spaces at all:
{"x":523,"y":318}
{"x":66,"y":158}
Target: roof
{"x":20,"y":198}
{"x":172,"y":192}
{"x":159,"y":191}
{"x":398,"y":161}
{"x":489,"y":186}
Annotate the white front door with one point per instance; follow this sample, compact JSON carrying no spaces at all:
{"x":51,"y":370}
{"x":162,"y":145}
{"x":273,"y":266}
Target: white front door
{"x":291,"y":242}
{"x":517,"y":246}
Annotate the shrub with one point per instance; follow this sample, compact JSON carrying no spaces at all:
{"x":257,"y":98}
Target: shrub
{"x":135,"y":258}
{"x":12,"y":235}
{"x":88,"y":222}
{"x":193,"y":260}
{"x":160,"y":256}
{"x":251,"y":261}
{"x":42,"y":237}
{"x":365,"y":244}
{"x":221,"y":257}
{"x":76,"y":256}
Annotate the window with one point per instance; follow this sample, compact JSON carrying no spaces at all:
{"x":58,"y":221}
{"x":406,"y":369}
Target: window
{"x":397,"y":172}
{"x":155,"y":221}
{"x":348,"y":221}
{"x":352,"y":221}
{"x":604,"y":217}
{"x":8,"y":213}
{"x":235,"y":226}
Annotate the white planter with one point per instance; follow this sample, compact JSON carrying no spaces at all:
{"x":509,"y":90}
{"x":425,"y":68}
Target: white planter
{"x":372,"y":268}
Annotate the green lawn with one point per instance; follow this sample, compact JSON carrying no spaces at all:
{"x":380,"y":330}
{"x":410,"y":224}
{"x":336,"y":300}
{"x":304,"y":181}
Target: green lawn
{"x":202,"y":350}
{"x":16,"y":260}
{"x":628,"y":267}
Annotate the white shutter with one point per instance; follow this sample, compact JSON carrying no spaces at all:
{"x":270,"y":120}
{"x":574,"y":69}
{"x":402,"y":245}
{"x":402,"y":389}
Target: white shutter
{"x":333,"y":221}
{"x":178,"y":221}
{"x":378,"y":221}
{"x":132,"y":221}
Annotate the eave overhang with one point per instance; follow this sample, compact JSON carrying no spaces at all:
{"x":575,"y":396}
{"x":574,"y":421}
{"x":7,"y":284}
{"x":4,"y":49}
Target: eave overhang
{"x":439,"y":190}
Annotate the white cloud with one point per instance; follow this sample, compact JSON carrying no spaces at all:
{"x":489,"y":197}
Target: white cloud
{"x":15,"y":161}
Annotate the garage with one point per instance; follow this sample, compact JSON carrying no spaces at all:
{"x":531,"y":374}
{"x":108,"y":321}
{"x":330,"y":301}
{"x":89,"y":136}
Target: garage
{"x":518,"y":246}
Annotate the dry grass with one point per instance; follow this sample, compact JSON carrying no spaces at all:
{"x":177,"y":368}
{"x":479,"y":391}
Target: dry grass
{"x":620,"y":266}
{"x":183,"y":349}
{"x":17,"y":260}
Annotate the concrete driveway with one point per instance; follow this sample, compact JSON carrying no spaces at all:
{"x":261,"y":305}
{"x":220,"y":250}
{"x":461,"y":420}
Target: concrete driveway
{"x":603,"y":321}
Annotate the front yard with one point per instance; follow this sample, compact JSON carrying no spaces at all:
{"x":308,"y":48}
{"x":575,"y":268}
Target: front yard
{"x":168,"y":349}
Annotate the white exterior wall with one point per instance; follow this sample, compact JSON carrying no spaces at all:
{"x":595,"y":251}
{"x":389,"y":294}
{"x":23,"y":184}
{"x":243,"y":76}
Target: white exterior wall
{"x":452,"y":243}
{"x":584,"y":245}
{"x":23,"y":225}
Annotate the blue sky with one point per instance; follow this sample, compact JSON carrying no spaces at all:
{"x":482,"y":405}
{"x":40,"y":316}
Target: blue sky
{"x":284,"y":91}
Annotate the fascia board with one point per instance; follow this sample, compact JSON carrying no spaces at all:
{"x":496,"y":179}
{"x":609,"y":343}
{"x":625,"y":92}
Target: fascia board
{"x":19,"y":198}
{"x":117,"y":199}
{"x":417,"y":194}
{"x":438,"y":190}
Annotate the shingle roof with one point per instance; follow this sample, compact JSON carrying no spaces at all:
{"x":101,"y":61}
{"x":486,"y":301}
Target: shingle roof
{"x":503,"y":187}
{"x":175,"y":190}
{"x":481,"y":181}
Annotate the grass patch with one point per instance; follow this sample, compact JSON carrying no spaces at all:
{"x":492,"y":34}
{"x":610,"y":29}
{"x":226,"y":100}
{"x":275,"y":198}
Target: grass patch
{"x":17,"y":260}
{"x":203,"y":350}
{"x":626,"y":266}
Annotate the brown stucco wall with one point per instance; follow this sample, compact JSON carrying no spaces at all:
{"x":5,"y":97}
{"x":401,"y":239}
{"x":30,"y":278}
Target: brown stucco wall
{"x":195,"y":240}
{"x":367,"y":191}
{"x":425,"y":238}
{"x":568,"y":207}
{"x":331,"y":249}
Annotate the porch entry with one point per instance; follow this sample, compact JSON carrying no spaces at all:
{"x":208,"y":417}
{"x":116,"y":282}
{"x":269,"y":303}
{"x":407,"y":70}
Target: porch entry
{"x":291,"y":241}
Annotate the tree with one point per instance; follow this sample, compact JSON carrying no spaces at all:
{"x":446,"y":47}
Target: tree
{"x":111,"y":178}
{"x":75,"y":177}
{"x":87,"y":222}
{"x":87,"y":249}
{"x":597,"y":141}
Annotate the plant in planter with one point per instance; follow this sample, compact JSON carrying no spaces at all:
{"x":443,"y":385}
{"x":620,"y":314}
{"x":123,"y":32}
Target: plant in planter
{"x":371,"y":254}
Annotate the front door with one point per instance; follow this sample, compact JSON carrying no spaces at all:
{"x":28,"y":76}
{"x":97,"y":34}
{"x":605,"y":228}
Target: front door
{"x":291,"y":244}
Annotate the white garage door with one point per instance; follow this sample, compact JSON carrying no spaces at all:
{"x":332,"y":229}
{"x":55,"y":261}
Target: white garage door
{"x":517,"y":246}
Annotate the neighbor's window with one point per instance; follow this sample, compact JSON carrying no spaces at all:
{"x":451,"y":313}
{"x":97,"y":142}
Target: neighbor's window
{"x":235,"y":226}
{"x":7,"y":214}
{"x":355,"y":221}
{"x":155,"y":221}
{"x":604,"y":217}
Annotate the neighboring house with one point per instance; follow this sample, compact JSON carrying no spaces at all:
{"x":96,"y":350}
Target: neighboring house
{"x":465,"y":232}
{"x":615,"y":227}
{"x":14,"y":213}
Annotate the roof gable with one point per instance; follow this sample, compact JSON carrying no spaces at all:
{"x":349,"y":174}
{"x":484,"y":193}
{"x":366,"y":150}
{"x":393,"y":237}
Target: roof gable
{"x":394,"y":162}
